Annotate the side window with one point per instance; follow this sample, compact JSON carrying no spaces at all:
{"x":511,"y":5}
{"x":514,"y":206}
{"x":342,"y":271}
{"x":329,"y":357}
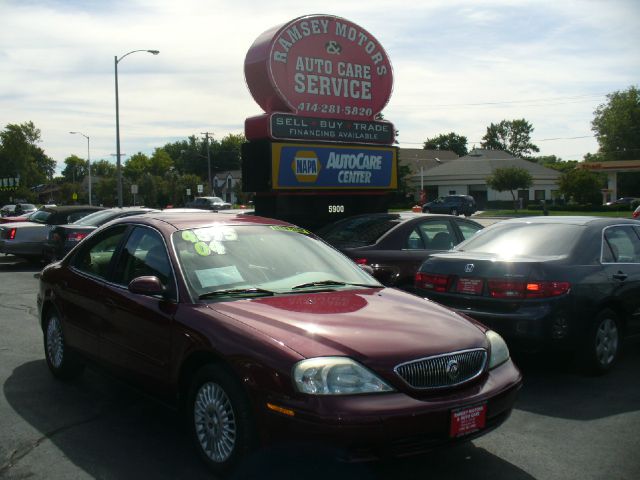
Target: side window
{"x":143,"y":254}
{"x":621,"y":245}
{"x":95,"y":256}
{"x":438,"y":235}
{"x":468,"y":230}
{"x":414,"y":241}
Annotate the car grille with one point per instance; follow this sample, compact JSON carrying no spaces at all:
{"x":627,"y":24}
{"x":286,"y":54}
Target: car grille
{"x":443,"y":370}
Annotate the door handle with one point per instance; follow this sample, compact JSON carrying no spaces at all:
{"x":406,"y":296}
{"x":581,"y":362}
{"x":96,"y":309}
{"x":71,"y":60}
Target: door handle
{"x":620,"y":276}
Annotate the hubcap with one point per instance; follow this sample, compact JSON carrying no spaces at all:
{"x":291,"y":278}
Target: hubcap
{"x":606,"y":342}
{"x":55,"y":345}
{"x":215,"y":422}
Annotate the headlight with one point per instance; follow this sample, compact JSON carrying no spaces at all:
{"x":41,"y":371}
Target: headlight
{"x":336,"y":376}
{"x":499,"y":349}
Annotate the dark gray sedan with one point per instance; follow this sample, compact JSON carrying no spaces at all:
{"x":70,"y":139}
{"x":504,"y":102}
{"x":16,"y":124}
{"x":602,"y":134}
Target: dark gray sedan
{"x":569,"y":283}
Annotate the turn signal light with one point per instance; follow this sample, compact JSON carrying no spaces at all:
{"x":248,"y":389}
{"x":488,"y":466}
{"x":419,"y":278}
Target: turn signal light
{"x":12,"y":234}
{"x":360,"y":261}
{"x":430,"y":281}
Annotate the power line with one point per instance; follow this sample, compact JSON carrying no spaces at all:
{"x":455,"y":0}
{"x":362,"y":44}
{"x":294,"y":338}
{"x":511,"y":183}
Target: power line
{"x":527,"y":102}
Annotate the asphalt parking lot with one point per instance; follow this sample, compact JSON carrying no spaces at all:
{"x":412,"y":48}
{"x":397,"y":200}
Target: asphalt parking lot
{"x":565,"y":425}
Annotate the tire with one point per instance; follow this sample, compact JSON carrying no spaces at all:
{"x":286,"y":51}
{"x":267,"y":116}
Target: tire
{"x":603,"y":343}
{"x":63,"y":362}
{"x":219,"y":418}
{"x":454,"y":211}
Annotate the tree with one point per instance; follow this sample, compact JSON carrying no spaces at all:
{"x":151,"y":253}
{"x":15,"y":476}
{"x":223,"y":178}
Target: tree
{"x":20,"y":156}
{"x":617,"y":125}
{"x":513,"y":136}
{"x":75,"y":169}
{"x":511,"y":179}
{"x":136,"y":166}
{"x":160,"y":162}
{"x":226,"y":153}
{"x":551,"y":161}
{"x":449,"y":141}
{"x":103,"y":168}
{"x":581,"y":185}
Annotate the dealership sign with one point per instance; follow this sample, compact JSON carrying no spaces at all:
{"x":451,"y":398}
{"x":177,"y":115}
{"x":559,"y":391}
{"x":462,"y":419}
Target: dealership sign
{"x":318,"y":166}
{"x":319,"y":66}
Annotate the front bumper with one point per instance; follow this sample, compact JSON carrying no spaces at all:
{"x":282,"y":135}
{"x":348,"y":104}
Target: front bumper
{"x":369,"y":427}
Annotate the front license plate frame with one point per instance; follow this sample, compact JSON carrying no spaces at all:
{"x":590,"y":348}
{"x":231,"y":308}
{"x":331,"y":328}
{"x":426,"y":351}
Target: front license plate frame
{"x":467,"y":420}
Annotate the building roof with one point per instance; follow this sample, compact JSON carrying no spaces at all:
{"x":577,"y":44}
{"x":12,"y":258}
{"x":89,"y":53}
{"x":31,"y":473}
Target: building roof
{"x":414,"y":158}
{"x":480,"y":164}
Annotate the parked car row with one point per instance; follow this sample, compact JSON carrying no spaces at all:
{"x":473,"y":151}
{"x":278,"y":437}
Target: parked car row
{"x":261,"y":331}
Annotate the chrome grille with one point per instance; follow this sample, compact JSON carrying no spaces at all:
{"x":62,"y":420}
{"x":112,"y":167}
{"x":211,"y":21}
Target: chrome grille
{"x":443,"y":370}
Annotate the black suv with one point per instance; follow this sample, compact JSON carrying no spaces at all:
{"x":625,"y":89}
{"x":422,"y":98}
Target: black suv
{"x":452,"y":204}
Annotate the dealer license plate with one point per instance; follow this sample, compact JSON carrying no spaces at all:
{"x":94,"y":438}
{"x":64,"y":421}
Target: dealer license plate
{"x":470,"y":286}
{"x":467,"y":420}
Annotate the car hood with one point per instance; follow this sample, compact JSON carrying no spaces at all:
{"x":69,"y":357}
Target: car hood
{"x":379,"y":327}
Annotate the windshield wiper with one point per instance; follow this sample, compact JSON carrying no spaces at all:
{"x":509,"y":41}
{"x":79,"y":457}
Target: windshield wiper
{"x":331,"y":283}
{"x":252,"y":291}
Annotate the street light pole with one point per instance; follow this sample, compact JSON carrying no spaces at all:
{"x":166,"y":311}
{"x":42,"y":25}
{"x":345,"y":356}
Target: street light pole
{"x":206,"y":136}
{"x":88,"y":161}
{"x":118,"y":163}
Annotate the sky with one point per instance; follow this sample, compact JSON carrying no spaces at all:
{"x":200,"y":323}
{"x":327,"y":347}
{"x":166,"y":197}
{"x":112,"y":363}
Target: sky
{"x":458,"y":65}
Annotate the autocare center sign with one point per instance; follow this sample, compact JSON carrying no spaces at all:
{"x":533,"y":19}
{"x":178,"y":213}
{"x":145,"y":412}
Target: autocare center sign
{"x":322,"y":79}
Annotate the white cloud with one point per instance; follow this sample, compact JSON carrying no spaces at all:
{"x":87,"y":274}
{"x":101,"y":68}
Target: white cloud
{"x":57,"y":66}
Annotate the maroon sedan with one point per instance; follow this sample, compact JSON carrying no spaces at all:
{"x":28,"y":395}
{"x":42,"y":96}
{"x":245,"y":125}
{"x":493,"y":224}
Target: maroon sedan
{"x":260,"y":331}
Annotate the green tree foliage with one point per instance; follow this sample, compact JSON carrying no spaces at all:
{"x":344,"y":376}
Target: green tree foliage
{"x":551,"y":161}
{"x":136,"y":166}
{"x":75,"y":169}
{"x":513,"y":136}
{"x":103,"y":168}
{"x":581,"y":185}
{"x":511,"y":179}
{"x":21,"y":156}
{"x":448,"y":141}
{"x":160,"y":162}
{"x":616,"y":125}
{"x":227,"y":153}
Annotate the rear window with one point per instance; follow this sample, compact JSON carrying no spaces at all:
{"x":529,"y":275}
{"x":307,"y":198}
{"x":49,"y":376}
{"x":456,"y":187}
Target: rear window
{"x":360,"y":231}
{"x":532,"y":239}
{"x":96,"y":218}
{"x":41,"y":216}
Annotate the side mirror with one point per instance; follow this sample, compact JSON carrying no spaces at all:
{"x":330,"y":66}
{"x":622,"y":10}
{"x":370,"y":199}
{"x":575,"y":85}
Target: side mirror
{"x":147,"y":285}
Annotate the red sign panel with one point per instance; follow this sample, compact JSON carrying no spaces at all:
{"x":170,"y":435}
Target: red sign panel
{"x":320,"y":66}
{"x":468,"y":420}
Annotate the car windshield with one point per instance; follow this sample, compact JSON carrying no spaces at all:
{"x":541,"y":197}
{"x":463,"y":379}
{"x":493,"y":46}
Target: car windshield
{"x":524,"y":239}
{"x":40,"y":216}
{"x":96,"y":218}
{"x":249,"y":260}
{"x":359,"y":231}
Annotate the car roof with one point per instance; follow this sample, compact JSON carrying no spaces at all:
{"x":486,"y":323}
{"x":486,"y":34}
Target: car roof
{"x":183,"y":221}
{"x":575,"y":220}
{"x":71,"y":208}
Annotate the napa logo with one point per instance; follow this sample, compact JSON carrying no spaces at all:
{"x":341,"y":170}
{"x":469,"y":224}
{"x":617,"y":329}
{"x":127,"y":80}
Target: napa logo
{"x":305,"y":166}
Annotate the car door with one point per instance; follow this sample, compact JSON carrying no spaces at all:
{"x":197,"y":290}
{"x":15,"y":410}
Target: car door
{"x":621,"y":261}
{"x":400,"y":255}
{"x":80,"y":294}
{"x":136,"y":337}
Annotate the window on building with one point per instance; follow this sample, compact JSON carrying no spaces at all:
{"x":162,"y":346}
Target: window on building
{"x":539,"y":195}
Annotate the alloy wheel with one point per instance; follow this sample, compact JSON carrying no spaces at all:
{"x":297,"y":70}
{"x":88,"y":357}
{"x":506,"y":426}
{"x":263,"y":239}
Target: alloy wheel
{"x":215,"y":422}
{"x":607,"y":340}
{"x":55,"y":342}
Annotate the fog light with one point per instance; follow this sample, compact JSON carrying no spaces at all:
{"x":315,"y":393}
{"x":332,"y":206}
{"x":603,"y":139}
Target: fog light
{"x":559,"y":328}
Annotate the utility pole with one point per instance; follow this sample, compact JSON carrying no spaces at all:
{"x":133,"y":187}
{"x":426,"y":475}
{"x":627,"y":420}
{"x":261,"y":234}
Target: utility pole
{"x":206,"y":136}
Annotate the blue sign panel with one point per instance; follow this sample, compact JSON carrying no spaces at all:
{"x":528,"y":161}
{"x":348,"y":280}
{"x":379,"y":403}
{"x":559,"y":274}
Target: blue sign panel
{"x":312,"y":166}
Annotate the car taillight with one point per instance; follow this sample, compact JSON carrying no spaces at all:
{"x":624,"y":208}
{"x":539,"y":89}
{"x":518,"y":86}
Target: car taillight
{"x":518,"y":290}
{"x":430,"y":281}
{"x":360,"y":261}
{"x":12,"y":234}
{"x":76,"y":236}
